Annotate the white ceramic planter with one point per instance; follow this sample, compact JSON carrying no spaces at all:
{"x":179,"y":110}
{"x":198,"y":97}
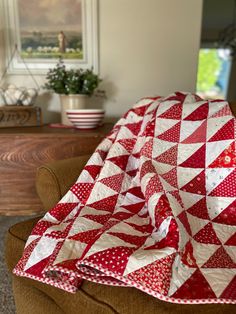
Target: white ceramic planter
{"x":75,"y":101}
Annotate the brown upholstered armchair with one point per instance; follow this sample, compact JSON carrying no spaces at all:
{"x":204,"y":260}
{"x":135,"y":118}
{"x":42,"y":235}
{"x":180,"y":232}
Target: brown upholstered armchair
{"x":53,"y":181}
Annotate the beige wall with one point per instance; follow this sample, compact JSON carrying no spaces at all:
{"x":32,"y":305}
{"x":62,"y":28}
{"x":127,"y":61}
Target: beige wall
{"x":146,"y":47}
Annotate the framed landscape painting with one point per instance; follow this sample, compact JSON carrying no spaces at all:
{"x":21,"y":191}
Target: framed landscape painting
{"x":39,"y":32}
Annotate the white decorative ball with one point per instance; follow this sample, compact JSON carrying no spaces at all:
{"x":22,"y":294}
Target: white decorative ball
{"x":32,"y":92}
{"x":11,"y":86}
{"x":19,"y":95}
{"x":27,"y":101}
{"x":10,"y":97}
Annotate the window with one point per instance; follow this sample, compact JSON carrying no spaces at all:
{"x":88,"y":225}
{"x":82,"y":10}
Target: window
{"x":213,"y":73}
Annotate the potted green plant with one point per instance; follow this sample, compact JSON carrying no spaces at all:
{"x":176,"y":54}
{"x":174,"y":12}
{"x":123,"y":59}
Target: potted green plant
{"x":74,"y":86}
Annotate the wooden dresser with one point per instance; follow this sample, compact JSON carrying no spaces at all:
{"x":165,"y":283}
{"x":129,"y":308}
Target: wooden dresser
{"x":24,"y":149}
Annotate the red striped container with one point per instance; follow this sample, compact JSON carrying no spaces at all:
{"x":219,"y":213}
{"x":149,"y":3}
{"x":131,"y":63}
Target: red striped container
{"x":86,"y":118}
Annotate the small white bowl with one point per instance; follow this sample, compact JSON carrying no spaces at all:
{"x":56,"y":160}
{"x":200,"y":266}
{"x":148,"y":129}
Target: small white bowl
{"x":85,"y":118}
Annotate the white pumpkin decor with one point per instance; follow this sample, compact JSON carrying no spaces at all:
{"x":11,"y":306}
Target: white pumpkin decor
{"x":13,"y":95}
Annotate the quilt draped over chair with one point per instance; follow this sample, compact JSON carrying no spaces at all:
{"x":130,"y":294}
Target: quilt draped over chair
{"x":154,"y":207}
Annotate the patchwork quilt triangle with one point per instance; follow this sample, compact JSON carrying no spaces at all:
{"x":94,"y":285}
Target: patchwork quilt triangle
{"x":159,"y":275}
{"x":207,"y":235}
{"x":227,"y":216}
{"x":171,"y":135}
{"x":200,"y":288}
{"x":196,"y":185}
{"x":169,"y":156}
{"x":230,"y":291}
{"x":226,"y":159}
{"x":198,"y":136}
{"x":175,"y":112}
{"x":226,"y":188}
{"x":197,"y":160}
{"x":220,"y":259}
{"x":225,"y":133}
{"x":232,"y":240}
{"x":200,"y":113}
{"x":199,"y":209}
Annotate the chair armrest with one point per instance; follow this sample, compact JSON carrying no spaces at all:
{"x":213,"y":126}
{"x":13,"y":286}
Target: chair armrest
{"x":53,"y":180}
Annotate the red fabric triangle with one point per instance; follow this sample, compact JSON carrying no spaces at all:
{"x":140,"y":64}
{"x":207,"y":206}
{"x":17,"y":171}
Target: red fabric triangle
{"x":196,"y":185}
{"x":86,"y":236}
{"x":128,"y":144}
{"x":121,"y":161}
{"x":140,"y":111}
{"x":122,"y":215}
{"x":170,"y":240}
{"x":37,"y":268}
{"x":144,"y":229}
{"x":171,"y":135}
{"x":197,"y":160}
{"x":154,"y":186}
{"x":207,"y":235}
{"x":155,"y":276}
{"x":134,"y":127}
{"x":93,"y":170}
{"x":187,"y":257}
{"x":230,"y":290}
{"x":101,"y":219}
{"x":174,"y":112}
{"x":178,"y":96}
{"x":199,"y":209}
{"x":225,"y":111}
{"x":69,"y":264}
{"x":136,"y":191}
{"x":112,"y":262}
{"x":59,"y":234}
{"x":162,"y":210}
{"x":196,"y":287}
{"x":171,"y":177}
{"x":225,"y":133}
{"x":132,"y":173}
{"x":107,"y":204}
{"x":147,"y":149}
{"x":227,"y":216}
{"x":43,"y":225}
{"x":220,"y":259}
{"x":226,"y":159}
{"x":199,"y":114}
{"x":82,"y":190}
{"x":134,"y":208}
{"x":169,"y":156}
{"x":198,"y":136}
{"x":136,"y":155}
{"x":102,"y":154}
{"x":150,"y":128}
{"x":177,"y":197}
{"x":147,"y":167}
{"x":231,"y":240}
{"x":227,"y":188}
{"x":27,"y":252}
{"x":184,"y":219}
{"x":114,"y":182}
{"x":61,"y":210}
{"x":132,"y":239}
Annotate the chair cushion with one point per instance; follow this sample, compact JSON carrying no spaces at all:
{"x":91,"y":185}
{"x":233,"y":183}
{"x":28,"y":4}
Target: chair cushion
{"x":102,"y":298}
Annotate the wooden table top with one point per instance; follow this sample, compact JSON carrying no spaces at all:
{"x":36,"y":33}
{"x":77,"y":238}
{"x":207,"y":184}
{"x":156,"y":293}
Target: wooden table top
{"x":51,"y":131}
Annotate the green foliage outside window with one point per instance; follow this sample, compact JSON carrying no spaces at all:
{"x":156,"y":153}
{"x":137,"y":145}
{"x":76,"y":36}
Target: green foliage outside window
{"x":208,"y":69}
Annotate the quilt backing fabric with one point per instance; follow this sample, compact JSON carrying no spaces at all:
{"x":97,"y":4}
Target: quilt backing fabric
{"x":154,"y":208}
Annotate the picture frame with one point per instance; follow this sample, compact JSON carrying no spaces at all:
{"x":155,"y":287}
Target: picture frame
{"x":39,"y":57}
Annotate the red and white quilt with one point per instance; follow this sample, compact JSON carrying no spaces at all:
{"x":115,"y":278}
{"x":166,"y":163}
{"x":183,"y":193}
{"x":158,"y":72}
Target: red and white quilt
{"x":154,"y":208}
